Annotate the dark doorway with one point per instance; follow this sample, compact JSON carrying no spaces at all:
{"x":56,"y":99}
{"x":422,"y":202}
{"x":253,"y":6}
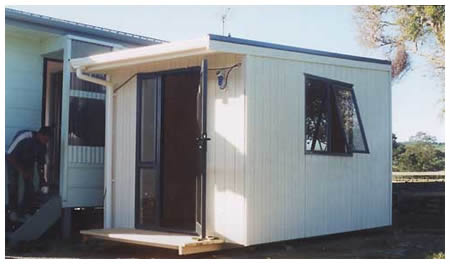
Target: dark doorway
{"x":180,"y":159}
{"x":168,"y":159}
{"x":51,"y":116}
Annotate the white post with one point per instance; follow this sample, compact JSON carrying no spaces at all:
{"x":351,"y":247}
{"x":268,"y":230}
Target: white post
{"x":65,"y":101}
{"x":107,"y":206}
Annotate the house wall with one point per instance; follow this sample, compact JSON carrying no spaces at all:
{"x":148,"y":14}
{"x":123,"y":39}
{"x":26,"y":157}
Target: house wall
{"x":292,"y":195}
{"x":23,"y":84}
{"x":225,"y":165}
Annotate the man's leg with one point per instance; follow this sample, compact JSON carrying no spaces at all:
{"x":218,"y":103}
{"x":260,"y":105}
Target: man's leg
{"x":28,"y":196}
{"x":12,"y":186}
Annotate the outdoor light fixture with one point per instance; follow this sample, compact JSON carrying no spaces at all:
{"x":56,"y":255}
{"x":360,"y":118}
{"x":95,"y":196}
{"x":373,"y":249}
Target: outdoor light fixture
{"x":221,"y":79}
{"x":222,"y":75}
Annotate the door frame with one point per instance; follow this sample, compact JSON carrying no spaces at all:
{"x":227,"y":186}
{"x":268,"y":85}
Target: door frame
{"x":44,"y":87}
{"x":159,"y":143}
{"x":44,"y":107}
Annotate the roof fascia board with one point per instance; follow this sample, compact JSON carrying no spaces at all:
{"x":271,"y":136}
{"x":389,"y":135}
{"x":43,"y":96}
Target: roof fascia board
{"x":103,"y":68}
{"x":143,"y":54}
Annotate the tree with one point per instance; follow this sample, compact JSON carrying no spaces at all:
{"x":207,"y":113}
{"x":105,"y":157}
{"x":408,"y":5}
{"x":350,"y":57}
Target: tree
{"x":397,"y":149}
{"x":402,"y":30}
{"x":421,"y":157}
{"x":420,"y":154}
{"x":423,"y":138}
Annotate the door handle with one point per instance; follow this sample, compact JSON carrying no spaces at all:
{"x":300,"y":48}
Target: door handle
{"x":203,"y":138}
{"x":201,"y":141}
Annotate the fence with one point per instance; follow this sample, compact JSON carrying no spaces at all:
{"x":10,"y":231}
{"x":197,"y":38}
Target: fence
{"x":430,"y":176}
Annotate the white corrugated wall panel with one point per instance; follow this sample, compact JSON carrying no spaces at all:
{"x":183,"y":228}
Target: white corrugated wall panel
{"x":124,"y":153}
{"x":275,"y":186}
{"x":293,"y":195}
{"x":226,"y":152}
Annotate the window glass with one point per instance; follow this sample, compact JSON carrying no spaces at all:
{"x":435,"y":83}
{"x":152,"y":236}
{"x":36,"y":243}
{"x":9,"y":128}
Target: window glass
{"x":86,"y":122}
{"x":337,"y":134}
{"x":316,"y":116}
{"x":148,"y":120}
{"x":147,"y":197}
{"x":81,"y":85}
{"x":81,"y":49}
{"x":350,"y":119}
{"x":85,"y":49}
{"x":332,"y":121}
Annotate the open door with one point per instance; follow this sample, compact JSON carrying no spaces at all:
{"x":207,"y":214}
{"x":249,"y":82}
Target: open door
{"x":148,"y":203}
{"x":202,"y":139}
{"x":171,"y":151}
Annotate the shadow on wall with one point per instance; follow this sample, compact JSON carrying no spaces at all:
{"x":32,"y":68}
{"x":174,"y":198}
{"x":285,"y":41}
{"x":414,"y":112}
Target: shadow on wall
{"x":226,"y":173}
{"x":226,"y":155}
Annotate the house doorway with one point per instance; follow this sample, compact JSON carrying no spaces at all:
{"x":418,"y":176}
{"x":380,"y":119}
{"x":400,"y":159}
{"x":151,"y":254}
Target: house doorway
{"x":169,"y":160}
{"x":51,"y":116}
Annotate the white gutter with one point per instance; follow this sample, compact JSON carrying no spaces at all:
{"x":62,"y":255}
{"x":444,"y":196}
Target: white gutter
{"x":85,"y":77}
{"x":107,"y":220}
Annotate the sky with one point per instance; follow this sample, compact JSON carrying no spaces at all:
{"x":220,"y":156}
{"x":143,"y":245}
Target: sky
{"x":416,"y":97}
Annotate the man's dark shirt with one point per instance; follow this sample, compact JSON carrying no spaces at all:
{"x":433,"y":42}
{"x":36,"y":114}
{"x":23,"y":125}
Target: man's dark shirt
{"x":26,"y":149}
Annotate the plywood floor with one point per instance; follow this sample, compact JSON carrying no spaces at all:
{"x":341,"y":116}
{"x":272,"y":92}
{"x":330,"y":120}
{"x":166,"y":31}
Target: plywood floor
{"x":184,"y":243}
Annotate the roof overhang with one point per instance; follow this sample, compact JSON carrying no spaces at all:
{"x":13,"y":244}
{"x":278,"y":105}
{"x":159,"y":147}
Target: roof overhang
{"x":141,"y":55}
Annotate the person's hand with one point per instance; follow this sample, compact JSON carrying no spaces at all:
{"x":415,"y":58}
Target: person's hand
{"x":44,"y":189}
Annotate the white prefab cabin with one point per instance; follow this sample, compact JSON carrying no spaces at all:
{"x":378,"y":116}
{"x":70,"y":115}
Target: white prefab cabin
{"x":295,"y":143}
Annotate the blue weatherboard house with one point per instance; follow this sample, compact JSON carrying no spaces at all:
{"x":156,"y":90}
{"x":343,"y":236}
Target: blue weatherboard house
{"x":41,"y":90}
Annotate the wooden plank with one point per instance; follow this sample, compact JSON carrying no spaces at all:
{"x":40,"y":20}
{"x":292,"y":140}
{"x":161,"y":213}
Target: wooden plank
{"x":184,"y":243}
{"x":195,"y":249}
{"x":141,"y":237}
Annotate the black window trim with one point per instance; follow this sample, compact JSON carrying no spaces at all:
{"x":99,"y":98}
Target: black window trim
{"x":330,"y":86}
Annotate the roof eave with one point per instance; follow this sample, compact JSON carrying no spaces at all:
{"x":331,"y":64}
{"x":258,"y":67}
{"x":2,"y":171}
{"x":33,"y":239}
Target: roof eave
{"x":135,"y":56}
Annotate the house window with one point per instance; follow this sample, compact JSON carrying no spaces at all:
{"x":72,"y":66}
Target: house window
{"x":332,"y":120}
{"x":86,"y":122}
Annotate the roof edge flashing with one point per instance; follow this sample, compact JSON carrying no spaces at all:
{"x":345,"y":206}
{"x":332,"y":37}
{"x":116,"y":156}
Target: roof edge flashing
{"x":268,"y":45}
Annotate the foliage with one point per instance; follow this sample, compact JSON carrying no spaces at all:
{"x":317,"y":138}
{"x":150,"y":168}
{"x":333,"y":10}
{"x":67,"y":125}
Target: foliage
{"x":397,"y":150}
{"x":423,"y":137}
{"x":400,"y":30}
{"x":422,"y":153}
{"x":438,"y":255}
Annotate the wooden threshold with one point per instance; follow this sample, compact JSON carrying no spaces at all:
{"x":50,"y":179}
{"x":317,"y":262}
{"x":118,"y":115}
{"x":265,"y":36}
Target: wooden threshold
{"x":184,"y":243}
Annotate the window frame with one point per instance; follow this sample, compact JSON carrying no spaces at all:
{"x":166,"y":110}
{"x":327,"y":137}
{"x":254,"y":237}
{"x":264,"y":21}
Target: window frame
{"x":331,"y":86}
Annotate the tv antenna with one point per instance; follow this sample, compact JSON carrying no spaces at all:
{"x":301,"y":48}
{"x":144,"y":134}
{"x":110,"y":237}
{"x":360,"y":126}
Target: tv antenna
{"x":224,"y":18}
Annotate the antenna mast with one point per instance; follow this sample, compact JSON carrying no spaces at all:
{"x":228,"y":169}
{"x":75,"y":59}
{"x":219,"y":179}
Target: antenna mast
{"x":224,"y":17}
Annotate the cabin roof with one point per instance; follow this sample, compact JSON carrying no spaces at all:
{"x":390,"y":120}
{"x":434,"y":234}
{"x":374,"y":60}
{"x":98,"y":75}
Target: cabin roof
{"x":208,"y":45}
{"x":294,"y":49}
